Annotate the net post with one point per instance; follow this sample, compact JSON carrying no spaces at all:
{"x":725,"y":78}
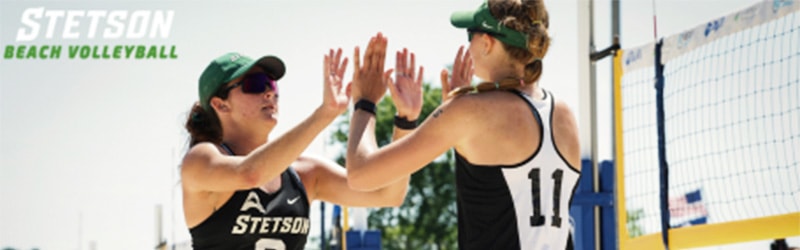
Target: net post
{"x":585,"y":214}
{"x":619,"y":154}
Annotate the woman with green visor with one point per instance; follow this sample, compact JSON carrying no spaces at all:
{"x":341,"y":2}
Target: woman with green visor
{"x":516,"y":145}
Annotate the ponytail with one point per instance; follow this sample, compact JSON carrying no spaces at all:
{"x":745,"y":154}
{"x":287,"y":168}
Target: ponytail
{"x":533,"y":71}
{"x":203,"y":126}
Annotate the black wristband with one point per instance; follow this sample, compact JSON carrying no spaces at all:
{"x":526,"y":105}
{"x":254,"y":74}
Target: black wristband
{"x":365,"y":105}
{"x":404,"y":123}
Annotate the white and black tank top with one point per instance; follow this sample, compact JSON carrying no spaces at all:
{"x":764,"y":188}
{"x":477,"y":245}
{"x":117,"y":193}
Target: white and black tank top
{"x":521,"y":206}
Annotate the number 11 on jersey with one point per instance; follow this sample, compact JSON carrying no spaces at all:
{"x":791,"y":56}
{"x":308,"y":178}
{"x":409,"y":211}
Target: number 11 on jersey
{"x":536,"y":188}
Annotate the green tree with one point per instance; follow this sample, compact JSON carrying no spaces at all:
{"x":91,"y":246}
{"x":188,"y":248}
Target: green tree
{"x":427,"y":219}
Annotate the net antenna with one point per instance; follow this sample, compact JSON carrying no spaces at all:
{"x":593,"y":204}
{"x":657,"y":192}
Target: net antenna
{"x":655,"y":22}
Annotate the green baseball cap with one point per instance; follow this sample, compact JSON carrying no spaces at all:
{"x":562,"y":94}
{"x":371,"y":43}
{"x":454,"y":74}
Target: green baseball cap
{"x":230,"y":66}
{"x":481,"y":19}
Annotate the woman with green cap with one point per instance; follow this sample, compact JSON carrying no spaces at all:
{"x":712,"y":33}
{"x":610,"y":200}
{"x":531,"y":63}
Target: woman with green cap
{"x":245,"y":190}
{"x":516,"y":145}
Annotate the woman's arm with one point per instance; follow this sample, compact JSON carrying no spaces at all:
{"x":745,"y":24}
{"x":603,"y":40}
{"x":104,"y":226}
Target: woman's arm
{"x":204,"y":168}
{"x":330,"y":180}
{"x":369,"y":168}
{"x":325,"y":180}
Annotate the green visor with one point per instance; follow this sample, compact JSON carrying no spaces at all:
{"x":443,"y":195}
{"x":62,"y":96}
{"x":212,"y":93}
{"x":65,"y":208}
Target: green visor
{"x":481,"y":19}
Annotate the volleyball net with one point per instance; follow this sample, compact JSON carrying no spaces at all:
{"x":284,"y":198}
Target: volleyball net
{"x":708,"y":132}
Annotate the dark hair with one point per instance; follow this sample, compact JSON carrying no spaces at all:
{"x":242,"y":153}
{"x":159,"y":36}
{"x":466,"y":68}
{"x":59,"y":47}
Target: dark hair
{"x":531,"y":18}
{"x":203,"y":126}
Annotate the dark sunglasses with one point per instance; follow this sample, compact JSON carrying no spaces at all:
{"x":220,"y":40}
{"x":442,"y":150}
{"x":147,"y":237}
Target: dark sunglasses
{"x":472,"y":32}
{"x":255,"y":83}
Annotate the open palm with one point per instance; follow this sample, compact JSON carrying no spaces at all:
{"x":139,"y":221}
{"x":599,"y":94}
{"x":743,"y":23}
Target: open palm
{"x":335,"y":96}
{"x":462,"y":74}
{"x":406,"y":89}
{"x":369,"y":78}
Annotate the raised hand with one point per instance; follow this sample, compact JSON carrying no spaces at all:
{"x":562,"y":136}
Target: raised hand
{"x":335,"y":97}
{"x":462,"y":73}
{"x":406,"y":89}
{"x":369,"y":79}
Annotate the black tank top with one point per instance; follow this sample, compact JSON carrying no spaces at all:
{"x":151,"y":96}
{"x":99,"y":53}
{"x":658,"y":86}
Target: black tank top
{"x":253,"y":219}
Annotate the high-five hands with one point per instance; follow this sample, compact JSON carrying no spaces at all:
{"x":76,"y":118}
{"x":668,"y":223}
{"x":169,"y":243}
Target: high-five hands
{"x":406,"y":89}
{"x":335,"y":97}
{"x":369,"y":78}
{"x":462,"y":73}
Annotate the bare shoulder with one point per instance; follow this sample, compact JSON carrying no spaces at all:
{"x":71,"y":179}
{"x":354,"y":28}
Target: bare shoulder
{"x":563,"y":114}
{"x":471,"y":105}
{"x":453,"y":122}
{"x":199,"y":156}
{"x":565,"y":130}
{"x":197,"y":159}
{"x":487,"y":107}
{"x":200,"y":152}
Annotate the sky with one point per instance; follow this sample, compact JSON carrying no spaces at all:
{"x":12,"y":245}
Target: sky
{"x":90,"y":148}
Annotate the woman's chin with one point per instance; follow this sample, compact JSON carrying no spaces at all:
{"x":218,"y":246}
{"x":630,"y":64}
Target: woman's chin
{"x":271,"y":118}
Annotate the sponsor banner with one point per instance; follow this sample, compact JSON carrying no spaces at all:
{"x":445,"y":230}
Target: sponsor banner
{"x":637,"y":58}
{"x":755,"y":15}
